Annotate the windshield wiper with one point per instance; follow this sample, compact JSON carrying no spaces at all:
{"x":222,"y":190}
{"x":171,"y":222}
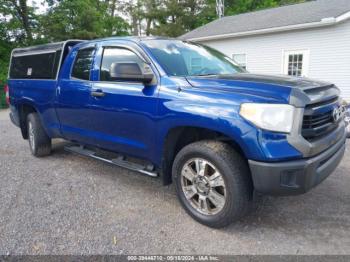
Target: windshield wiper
{"x":205,"y":75}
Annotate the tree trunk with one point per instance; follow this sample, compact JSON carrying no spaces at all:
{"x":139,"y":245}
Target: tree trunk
{"x":22,"y":10}
{"x":113,"y":7}
{"x":148,"y":26}
{"x":135,"y":25}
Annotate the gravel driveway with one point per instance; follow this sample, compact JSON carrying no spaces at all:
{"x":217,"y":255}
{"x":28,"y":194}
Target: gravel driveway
{"x":68,"y":204}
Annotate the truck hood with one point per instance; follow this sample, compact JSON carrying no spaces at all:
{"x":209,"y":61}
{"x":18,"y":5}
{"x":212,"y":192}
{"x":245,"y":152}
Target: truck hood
{"x":273,"y":87}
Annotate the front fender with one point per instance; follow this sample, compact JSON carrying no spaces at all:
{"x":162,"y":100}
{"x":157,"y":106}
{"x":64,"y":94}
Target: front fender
{"x":184,"y":108}
{"x":219,"y":112}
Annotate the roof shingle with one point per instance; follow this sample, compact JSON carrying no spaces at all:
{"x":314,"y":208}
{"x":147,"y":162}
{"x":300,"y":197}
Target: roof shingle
{"x":313,"y":11}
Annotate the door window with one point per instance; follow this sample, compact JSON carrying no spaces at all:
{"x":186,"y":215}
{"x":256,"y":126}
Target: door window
{"x":114,"y":55}
{"x":82,"y":64}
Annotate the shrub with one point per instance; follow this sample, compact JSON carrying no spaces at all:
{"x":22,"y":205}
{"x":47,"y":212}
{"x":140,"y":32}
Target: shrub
{"x":3,"y":103}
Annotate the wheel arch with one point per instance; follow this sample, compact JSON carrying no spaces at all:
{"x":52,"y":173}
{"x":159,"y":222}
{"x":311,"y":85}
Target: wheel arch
{"x":24,"y":109}
{"x":180,"y":136}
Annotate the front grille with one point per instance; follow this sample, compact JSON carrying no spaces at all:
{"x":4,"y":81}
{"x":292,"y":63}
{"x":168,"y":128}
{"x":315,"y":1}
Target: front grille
{"x":318,"y":119}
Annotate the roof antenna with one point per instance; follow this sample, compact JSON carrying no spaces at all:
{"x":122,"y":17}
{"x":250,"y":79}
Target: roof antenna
{"x":220,"y":8}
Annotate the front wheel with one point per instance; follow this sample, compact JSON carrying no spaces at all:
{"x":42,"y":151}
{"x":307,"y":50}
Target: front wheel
{"x":212,"y":182}
{"x":39,"y":141}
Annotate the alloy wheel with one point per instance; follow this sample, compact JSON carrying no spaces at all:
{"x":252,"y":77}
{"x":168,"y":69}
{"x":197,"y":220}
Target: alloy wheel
{"x":31,"y":136}
{"x":203,"y":186}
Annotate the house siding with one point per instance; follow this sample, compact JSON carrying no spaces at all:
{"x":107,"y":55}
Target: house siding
{"x":329,"y":49}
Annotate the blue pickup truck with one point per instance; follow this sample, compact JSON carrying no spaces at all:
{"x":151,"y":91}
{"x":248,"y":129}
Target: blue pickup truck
{"x":181,"y":111}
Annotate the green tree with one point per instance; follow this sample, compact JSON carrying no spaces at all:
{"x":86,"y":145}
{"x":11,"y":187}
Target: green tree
{"x":18,"y":27}
{"x":82,"y":19}
{"x":207,"y":11}
{"x":150,"y":12}
{"x":175,"y":17}
{"x":19,"y":20}
{"x":5,"y":50}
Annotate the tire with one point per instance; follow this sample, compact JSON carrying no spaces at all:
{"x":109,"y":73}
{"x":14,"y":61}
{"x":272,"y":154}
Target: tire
{"x":199,"y":196}
{"x":39,"y":142}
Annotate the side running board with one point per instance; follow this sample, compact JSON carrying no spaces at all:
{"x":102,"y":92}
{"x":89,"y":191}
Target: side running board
{"x":113,"y":159}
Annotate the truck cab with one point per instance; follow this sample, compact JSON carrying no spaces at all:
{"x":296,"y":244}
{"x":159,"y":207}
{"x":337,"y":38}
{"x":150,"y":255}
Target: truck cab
{"x":181,"y":111}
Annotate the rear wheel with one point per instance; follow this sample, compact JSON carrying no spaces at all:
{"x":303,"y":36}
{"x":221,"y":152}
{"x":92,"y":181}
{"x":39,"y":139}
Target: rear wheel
{"x":213,"y":183}
{"x":39,"y":141}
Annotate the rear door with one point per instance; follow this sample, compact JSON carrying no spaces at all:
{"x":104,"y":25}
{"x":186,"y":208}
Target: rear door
{"x":73,"y":97}
{"x":123,"y":118}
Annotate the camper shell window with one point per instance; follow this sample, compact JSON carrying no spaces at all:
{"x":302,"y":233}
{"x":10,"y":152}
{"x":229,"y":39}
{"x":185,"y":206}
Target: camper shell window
{"x":39,"y":66}
{"x":39,"y":62}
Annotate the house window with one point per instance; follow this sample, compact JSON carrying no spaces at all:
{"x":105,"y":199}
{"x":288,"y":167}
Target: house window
{"x":240,"y":59}
{"x":296,"y":63}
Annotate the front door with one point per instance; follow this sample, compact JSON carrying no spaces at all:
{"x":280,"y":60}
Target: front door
{"x":123,"y":113}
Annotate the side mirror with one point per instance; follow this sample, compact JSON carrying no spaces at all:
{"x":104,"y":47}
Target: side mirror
{"x":131,"y":71}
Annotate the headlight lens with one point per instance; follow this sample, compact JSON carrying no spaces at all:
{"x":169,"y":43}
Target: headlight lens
{"x":273,"y":117}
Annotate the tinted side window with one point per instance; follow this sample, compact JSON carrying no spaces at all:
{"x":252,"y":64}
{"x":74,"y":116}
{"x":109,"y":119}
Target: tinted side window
{"x":38,"y":66}
{"x":82,"y":64}
{"x":113,"y":55}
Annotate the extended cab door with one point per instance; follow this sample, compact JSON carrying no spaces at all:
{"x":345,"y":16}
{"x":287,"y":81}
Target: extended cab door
{"x":73,"y":96}
{"x":122,"y":114}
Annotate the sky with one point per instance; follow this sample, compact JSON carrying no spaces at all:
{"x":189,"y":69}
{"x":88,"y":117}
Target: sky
{"x":41,"y":6}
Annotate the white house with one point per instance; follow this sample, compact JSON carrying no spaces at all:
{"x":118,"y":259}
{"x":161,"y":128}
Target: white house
{"x":311,"y":39}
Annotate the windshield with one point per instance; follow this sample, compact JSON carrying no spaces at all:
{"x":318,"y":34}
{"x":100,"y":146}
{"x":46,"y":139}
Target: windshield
{"x":180,"y":58}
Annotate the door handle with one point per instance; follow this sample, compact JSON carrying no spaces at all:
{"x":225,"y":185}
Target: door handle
{"x":97,"y":93}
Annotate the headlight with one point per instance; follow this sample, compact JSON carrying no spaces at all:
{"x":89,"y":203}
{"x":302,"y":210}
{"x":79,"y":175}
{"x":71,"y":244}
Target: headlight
{"x":273,"y":117}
